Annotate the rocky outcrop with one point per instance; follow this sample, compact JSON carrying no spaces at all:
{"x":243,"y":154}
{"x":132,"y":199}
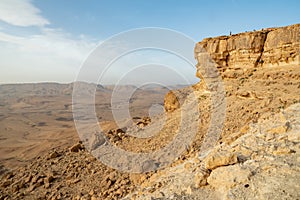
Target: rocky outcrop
{"x":238,"y":55}
{"x":236,"y":51}
{"x":265,"y":48}
{"x":261,"y":164}
{"x":257,"y":155}
{"x":282,"y":47}
{"x":175,"y":98}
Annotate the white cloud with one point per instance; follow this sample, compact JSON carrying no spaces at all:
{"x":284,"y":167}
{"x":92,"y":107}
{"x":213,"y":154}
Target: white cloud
{"x":52,"y":55}
{"x":46,"y":55}
{"x":9,"y":38}
{"x":21,"y":13}
{"x":55,"y":42}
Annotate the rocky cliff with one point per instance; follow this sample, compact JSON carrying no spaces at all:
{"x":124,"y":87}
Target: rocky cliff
{"x":237,"y":56}
{"x":265,"y":48}
{"x":257,"y":154}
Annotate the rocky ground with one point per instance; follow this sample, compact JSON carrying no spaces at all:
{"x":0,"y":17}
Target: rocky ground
{"x":65,"y":174}
{"x":264,"y":163}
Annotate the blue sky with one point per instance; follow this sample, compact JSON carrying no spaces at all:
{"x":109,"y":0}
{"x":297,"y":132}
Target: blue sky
{"x":195,"y":18}
{"x":48,"y":40}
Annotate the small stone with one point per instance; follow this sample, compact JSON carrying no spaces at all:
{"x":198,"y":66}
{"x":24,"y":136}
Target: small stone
{"x":279,"y":129}
{"x":53,"y":155}
{"x":116,"y":138}
{"x":31,"y":188}
{"x":136,"y":179}
{"x":196,"y":160}
{"x":119,"y":192}
{"x":200,"y":179}
{"x":28,"y":179}
{"x":119,"y":130}
{"x":48,"y":179}
{"x":151,"y":190}
{"x":9,"y":175}
{"x":40,"y":182}
{"x":75,"y":181}
{"x":94,"y":198}
{"x":106,"y":184}
{"x":270,"y":136}
{"x":201,"y":176}
{"x":244,"y":94}
{"x":76,"y":148}
{"x":124,"y":181}
{"x":189,"y":190}
{"x":112,"y":176}
{"x":282,"y":151}
{"x":92,"y":192}
{"x":47,"y":185}
{"x":220,"y":158}
{"x":35,"y":179}
{"x":228,"y":176}
{"x":141,"y":124}
{"x":188,"y":166}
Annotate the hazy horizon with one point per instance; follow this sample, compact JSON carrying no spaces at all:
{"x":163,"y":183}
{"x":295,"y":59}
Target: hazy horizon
{"x":105,"y":85}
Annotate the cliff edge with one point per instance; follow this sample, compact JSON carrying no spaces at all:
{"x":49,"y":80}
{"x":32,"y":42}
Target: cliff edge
{"x":266,"y":48}
{"x":257,"y":154}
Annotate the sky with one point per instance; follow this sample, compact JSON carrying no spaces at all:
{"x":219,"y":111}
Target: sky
{"x":50,"y":40}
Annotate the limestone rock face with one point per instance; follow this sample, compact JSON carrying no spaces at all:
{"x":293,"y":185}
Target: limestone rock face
{"x":236,"y":55}
{"x":273,"y":46}
{"x":237,"y":51}
{"x":282,"y":46}
{"x":240,"y":54}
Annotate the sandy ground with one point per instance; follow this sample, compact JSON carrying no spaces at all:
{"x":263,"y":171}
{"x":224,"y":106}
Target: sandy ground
{"x":35,"y":118}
